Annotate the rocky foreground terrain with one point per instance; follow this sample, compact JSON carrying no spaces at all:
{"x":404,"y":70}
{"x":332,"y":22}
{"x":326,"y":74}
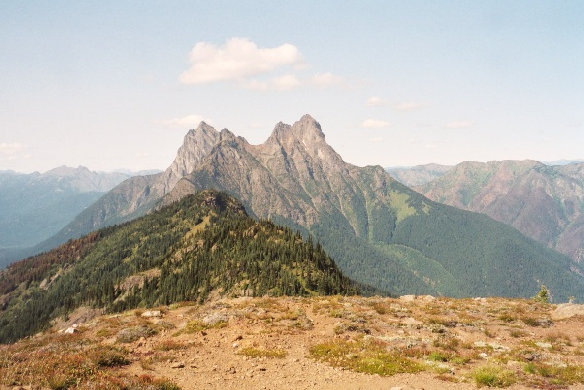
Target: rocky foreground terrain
{"x":304,"y":343}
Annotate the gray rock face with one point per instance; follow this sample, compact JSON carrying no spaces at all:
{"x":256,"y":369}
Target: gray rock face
{"x":140,"y":194}
{"x":377,"y":230}
{"x":197,"y":144}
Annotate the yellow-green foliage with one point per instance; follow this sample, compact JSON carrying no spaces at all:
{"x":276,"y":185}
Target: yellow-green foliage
{"x":256,"y":353}
{"x":366,"y":356}
{"x":556,"y":374}
{"x":399,"y":203}
{"x":170,"y":345}
{"x":493,"y":376}
{"x":197,"y":326}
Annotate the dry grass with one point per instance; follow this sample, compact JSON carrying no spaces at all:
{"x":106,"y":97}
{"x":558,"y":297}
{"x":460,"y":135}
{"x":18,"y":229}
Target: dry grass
{"x":368,"y":356}
{"x":257,"y":353}
{"x":70,"y":361}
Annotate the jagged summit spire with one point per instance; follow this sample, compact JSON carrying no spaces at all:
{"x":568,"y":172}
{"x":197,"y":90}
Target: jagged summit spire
{"x":306,"y":129}
{"x":202,"y":128}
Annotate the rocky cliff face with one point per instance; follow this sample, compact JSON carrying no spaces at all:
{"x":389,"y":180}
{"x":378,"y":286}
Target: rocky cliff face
{"x":378,"y":231}
{"x":197,"y":144}
{"x":544,"y":202}
{"x":140,"y":194}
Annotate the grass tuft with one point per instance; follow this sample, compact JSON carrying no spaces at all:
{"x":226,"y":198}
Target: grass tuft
{"x":269,"y":353}
{"x":493,"y":376}
{"x":365,"y":356}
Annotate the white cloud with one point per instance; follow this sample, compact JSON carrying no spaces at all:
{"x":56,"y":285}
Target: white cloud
{"x":189,"y":121}
{"x":408,"y":106}
{"x":282,"y":83}
{"x":376,"y":101}
{"x":326,"y":79}
{"x":459,"y":125}
{"x":237,"y":59}
{"x":376,"y":139}
{"x":375,"y":124}
{"x":12,"y":151}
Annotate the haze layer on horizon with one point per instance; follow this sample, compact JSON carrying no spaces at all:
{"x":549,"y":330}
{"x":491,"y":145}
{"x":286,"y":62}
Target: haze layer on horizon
{"x":113,"y":85}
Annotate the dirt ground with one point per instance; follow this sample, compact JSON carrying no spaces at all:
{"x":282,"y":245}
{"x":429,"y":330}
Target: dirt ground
{"x":286,"y":343}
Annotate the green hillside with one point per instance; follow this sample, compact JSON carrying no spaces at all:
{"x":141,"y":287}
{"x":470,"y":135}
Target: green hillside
{"x":204,"y":243}
{"x":437,"y":249}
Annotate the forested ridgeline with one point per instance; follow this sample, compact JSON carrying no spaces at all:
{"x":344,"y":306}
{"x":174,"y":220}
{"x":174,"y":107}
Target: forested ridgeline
{"x":203,"y":243}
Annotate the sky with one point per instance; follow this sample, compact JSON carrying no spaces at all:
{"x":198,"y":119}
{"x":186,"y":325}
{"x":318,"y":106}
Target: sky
{"x":117,"y":84}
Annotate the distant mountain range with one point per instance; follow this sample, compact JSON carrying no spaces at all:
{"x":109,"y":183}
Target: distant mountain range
{"x":36,"y":206}
{"x":544,"y":202}
{"x":419,"y":174}
{"x":379,"y":232}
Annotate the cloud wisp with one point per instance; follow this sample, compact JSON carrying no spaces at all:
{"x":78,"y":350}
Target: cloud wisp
{"x":282,"y":83}
{"x":376,"y":101}
{"x":375,"y":124}
{"x":236,"y":60}
{"x":12,"y":151}
{"x":459,"y":125}
{"x":408,"y":106}
{"x":189,"y":121}
{"x":242,"y":62}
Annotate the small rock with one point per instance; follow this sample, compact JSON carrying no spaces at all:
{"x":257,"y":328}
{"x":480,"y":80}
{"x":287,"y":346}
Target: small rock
{"x":70,"y":330}
{"x":483,"y":355}
{"x":567,"y":310}
{"x":407,"y":298}
{"x":151,"y":314}
{"x":427,"y":298}
{"x":215,"y":318}
{"x":411,"y":321}
{"x":240,"y":337}
{"x":531,"y":356}
{"x":235,"y":345}
{"x":498,"y":347}
{"x":178,"y":365}
{"x":541,"y":344}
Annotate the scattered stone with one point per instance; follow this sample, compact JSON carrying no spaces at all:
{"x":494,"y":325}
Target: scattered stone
{"x":407,"y":298}
{"x":483,"y":355}
{"x":543,"y":345}
{"x":215,"y":318}
{"x":235,"y":345}
{"x":499,"y":347}
{"x":567,"y":310}
{"x":411,"y":321}
{"x":178,"y":365}
{"x":531,"y":356}
{"x":70,"y":330}
{"x":134,"y":333}
{"x":427,"y":298}
{"x":151,"y":314}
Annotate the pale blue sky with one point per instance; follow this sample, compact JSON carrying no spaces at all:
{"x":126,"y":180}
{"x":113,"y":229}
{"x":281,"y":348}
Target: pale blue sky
{"x":99,"y":83}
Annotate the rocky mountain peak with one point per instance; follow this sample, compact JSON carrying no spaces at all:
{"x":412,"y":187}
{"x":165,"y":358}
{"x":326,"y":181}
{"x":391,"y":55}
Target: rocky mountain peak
{"x":197,"y":144}
{"x":306,"y":130}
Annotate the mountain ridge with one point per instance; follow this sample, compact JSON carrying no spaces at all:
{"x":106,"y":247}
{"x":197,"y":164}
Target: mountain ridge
{"x":379,"y":231}
{"x":203,"y":244}
{"x":544,"y":202}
